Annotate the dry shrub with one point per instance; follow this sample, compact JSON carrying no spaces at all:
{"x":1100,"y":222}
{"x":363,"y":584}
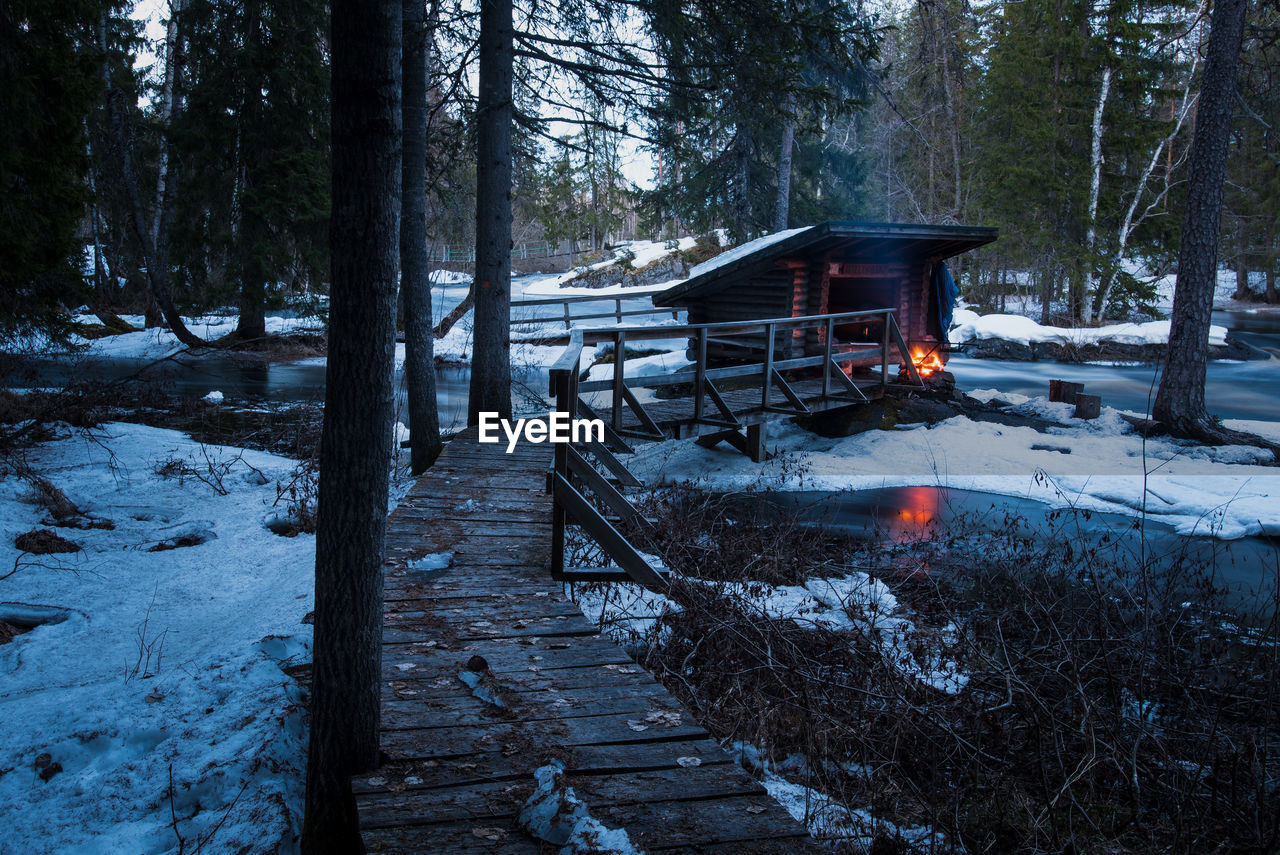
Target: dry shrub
{"x":42,"y":541}
{"x":734,"y":538}
{"x":1114,"y":703}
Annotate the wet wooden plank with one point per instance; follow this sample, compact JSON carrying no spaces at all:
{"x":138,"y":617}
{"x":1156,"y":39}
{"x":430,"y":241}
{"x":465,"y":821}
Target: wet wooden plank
{"x":455,"y":741}
{"x":459,"y":768}
{"x":602,"y":794}
{"x":583,"y":759}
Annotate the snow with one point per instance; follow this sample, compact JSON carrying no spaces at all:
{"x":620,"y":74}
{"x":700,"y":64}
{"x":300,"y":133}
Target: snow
{"x":743,"y":250}
{"x":1098,"y":465}
{"x":654,"y":365}
{"x":828,"y":819}
{"x":555,"y":814}
{"x":168,"y":662}
{"x":973,"y":327}
{"x":825,"y":817}
{"x":647,"y":251}
{"x":636,"y":254}
{"x":625,"y":612}
{"x":158,"y":342}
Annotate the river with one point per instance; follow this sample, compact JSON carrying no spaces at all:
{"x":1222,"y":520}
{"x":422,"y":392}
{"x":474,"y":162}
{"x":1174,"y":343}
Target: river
{"x":1235,"y":390}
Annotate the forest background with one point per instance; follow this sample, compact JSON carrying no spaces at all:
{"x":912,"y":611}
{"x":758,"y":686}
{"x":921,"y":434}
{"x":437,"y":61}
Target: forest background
{"x":1066,"y":124}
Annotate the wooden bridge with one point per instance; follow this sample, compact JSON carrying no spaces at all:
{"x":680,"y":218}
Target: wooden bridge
{"x":490,"y":672}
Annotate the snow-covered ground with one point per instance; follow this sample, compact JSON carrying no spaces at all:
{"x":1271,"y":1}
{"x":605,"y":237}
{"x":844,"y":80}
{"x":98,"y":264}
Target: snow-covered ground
{"x":158,"y":709}
{"x":1100,"y":465}
{"x":970,"y":326}
{"x":158,"y":342}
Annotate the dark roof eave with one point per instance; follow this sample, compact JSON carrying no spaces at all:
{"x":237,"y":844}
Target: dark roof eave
{"x":962,"y":238}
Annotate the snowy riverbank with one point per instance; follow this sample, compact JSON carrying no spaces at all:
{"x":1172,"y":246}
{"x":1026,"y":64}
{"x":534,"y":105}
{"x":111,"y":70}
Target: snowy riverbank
{"x":1100,"y":465}
{"x":158,"y":708}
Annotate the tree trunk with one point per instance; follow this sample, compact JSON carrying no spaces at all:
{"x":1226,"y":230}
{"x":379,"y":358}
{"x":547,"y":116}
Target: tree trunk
{"x":456,"y":313}
{"x":153,"y":252}
{"x":1269,"y":263}
{"x":1180,"y":404}
{"x":1047,"y":287}
{"x":782,"y":211}
{"x":355,"y":446}
{"x":491,"y":357}
{"x":1242,"y":260}
{"x":742,"y":184}
{"x":253,"y":322}
{"x":172,"y":65}
{"x":415,"y":282}
{"x":1102,"y":300}
{"x":1095,"y":186}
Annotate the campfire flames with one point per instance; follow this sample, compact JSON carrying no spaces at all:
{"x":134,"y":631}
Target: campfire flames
{"x":926,"y":364}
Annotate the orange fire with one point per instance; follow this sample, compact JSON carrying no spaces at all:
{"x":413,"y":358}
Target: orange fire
{"x":928,"y":363}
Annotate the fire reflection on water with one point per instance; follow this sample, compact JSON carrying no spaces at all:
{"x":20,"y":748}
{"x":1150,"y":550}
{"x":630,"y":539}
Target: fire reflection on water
{"x":916,"y":516}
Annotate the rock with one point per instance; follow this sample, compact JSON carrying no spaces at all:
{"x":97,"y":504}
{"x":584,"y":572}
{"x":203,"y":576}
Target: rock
{"x":998,"y":348}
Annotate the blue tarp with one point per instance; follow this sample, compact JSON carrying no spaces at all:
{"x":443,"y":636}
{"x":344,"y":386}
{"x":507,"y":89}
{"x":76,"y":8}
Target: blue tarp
{"x":946,"y":292}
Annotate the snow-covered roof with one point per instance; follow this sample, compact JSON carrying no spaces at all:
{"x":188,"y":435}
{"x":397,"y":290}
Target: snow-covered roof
{"x":871,"y":242}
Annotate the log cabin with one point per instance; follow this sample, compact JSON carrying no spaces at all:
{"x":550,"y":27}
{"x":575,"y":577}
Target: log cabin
{"x":830,"y":268}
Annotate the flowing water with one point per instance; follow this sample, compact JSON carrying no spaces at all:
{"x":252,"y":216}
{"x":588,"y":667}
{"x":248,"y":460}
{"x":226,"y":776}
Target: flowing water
{"x":1248,"y":569}
{"x":1235,"y":390}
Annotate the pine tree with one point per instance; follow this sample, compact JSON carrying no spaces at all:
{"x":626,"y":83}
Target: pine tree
{"x":355,"y":448}
{"x":49,"y":81}
{"x":251,"y":152}
{"x":754,"y":82}
{"x":1180,"y":403}
{"x":415,"y":282}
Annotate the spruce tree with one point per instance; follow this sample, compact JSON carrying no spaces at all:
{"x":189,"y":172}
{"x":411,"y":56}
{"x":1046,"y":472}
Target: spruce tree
{"x":251,"y":151}
{"x":49,"y":81}
{"x":355,"y":447}
{"x":1180,"y":402}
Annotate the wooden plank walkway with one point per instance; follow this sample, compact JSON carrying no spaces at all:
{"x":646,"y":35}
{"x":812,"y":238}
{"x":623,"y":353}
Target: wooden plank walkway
{"x":458,"y":768}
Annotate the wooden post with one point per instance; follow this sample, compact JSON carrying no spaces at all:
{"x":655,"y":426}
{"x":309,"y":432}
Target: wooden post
{"x":755,"y":442}
{"x":826,"y":362}
{"x":1088,"y":406}
{"x":884,"y":353}
{"x":619,"y":356}
{"x":700,"y":375}
{"x":767,"y":384}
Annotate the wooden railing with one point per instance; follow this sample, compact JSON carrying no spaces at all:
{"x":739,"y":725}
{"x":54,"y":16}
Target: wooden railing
{"x":573,"y":476}
{"x":570,"y":472}
{"x":568,"y":319}
{"x":752,"y":339}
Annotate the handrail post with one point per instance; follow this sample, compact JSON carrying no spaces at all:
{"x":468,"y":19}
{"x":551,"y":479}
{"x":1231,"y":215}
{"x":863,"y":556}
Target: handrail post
{"x":826,"y":363}
{"x":884,"y":351}
{"x":567,"y":324}
{"x":619,"y":356}
{"x":618,"y":306}
{"x":560,"y":467}
{"x":768,"y":366}
{"x":700,"y":374}
{"x":564,"y":387}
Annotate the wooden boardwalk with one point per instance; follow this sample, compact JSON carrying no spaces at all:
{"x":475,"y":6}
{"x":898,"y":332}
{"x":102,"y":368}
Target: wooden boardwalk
{"x":458,"y":767}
